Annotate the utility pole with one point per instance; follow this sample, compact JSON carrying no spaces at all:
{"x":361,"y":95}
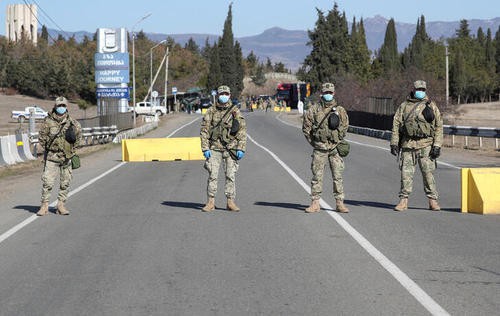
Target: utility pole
{"x":166,"y":80}
{"x":133,"y":61}
{"x":447,"y":77}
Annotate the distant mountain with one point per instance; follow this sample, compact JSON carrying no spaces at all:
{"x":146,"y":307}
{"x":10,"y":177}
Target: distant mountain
{"x":290,"y":47}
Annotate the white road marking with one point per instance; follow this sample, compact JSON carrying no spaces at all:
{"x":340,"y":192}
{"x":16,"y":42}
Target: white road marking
{"x":33,"y":217}
{"x":366,"y":145}
{"x":432,"y":306}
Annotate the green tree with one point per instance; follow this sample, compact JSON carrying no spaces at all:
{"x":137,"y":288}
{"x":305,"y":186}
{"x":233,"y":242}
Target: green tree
{"x":240,"y":70}
{"x":192,"y":46}
{"x":214,"y":78}
{"x":330,"y":55}
{"x":259,"y":78}
{"x":388,"y":55}
{"x":360,"y":55}
{"x":227,"y":55}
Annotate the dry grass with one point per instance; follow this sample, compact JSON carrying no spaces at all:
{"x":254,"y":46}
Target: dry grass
{"x":9,"y":103}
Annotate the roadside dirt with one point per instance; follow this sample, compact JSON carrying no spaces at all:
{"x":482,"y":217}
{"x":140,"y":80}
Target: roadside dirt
{"x":9,"y":103}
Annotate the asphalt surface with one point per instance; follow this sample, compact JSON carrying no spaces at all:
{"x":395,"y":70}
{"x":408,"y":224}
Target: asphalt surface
{"x":136,"y":242}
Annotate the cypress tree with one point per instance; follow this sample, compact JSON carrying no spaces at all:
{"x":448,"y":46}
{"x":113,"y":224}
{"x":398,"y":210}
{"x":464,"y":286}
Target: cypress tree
{"x":388,"y":54}
{"x":360,"y":62}
{"x":45,"y":34}
{"x":214,"y":78}
{"x":240,"y":71}
{"x":227,"y":56}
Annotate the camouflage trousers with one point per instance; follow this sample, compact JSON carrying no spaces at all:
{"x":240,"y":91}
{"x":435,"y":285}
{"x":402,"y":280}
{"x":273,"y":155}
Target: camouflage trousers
{"x":212,"y":165}
{"x":409,"y":159}
{"x":49,"y":177}
{"x":319,"y":159}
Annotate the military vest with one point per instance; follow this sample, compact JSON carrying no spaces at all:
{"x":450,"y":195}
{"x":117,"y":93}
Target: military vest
{"x":415,"y":125}
{"x":221,"y":127}
{"x":321,"y":131}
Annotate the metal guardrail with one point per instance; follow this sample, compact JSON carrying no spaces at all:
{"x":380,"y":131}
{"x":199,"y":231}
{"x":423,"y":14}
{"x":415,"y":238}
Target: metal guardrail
{"x":90,"y":135}
{"x":466,"y":131}
{"x":489,"y":132}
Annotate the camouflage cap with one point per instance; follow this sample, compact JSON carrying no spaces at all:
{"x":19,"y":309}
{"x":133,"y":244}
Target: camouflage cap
{"x":222,"y":89}
{"x":420,"y":84}
{"x":327,"y":87}
{"x":61,"y":100}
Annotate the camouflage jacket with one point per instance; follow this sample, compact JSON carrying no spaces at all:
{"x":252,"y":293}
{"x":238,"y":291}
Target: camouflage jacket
{"x":217,"y":136}
{"x":52,"y":137}
{"x":321,"y":137}
{"x":404,"y":111}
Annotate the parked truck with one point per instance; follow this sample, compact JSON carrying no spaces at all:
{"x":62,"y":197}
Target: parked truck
{"x":145,"y":108}
{"x":21,"y":116}
{"x":292,"y":92}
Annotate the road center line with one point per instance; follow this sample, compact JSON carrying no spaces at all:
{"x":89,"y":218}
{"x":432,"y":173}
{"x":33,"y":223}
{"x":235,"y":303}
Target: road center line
{"x":420,"y":295}
{"x":33,"y":217}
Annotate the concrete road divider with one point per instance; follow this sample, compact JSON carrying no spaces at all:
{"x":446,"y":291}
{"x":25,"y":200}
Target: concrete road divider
{"x":162,"y":149}
{"x":26,"y":147}
{"x":5,"y":158}
{"x":12,"y":145}
{"x":481,"y":190}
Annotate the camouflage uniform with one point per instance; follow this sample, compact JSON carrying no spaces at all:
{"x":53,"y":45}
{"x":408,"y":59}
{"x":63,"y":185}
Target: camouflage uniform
{"x":222,"y":145}
{"x":57,"y":153}
{"x":324,"y":141}
{"x":416,"y":149}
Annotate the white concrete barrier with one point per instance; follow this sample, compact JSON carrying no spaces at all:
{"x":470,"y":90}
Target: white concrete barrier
{"x":5,"y":151}
{"x":12,"y":145}
{"x":26,"y":147}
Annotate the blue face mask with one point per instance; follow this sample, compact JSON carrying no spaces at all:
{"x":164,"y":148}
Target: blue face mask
{"x":420,"y":94}
{"x":60,"y":110}
{"x":328,"y":97}
{"x":223,"y":98}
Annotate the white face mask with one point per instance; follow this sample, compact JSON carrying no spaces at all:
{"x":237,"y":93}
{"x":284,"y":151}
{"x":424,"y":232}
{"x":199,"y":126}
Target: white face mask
{"x":420,"y":94}
{"x":328,"y":97}
{"x":223,"y":98}
{"x":61,"y":110}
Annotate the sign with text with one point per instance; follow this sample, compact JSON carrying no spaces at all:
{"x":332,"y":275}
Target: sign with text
{"x":115,"y":93}
{"x":111,"y":61}
{"x":111,"y":68}
{"x":112,"y":76}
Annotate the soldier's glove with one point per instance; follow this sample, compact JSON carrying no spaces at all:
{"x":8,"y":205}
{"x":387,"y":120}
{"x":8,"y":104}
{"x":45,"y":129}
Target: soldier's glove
{"x":435,"y":152}
{"x":394,"y":150}
{"x":240,"y":154}
{"x":207,"y":153}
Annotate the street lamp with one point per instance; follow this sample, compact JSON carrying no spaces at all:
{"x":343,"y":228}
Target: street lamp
{"x":133,"y":59}
{"x":151,"y":71}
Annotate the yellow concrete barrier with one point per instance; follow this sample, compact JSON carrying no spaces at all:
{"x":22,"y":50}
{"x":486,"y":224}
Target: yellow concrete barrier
{"x":481,"y":190}
{"x":204,"y":110}
{"x":162,"y":149}
{"x":277,"y":109}
{"x":288,"y":109}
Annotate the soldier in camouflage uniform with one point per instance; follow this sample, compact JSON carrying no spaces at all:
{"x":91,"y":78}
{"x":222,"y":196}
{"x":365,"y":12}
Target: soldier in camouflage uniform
{"x":324,"y":135}
{"x":223,"y":138}
{"x":417,"y":132}
{"x":59,"y":146}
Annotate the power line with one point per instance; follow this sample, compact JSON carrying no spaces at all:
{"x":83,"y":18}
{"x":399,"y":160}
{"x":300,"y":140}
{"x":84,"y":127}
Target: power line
{"x":36,"y":17}
{"x":47,"y":16}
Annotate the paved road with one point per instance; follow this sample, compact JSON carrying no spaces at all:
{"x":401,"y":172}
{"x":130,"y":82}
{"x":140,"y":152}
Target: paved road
{"x":136,"y":242}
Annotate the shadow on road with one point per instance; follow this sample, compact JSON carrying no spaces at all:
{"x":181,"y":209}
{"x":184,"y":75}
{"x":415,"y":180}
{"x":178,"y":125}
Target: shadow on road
{"x":294,"y":206}
{"x":190,"y":205}
{"x":28,"y":208}
{"x":370,"y":204}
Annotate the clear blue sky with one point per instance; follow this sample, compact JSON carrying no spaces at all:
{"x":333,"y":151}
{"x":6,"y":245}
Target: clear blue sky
{"x":250,"y":17}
